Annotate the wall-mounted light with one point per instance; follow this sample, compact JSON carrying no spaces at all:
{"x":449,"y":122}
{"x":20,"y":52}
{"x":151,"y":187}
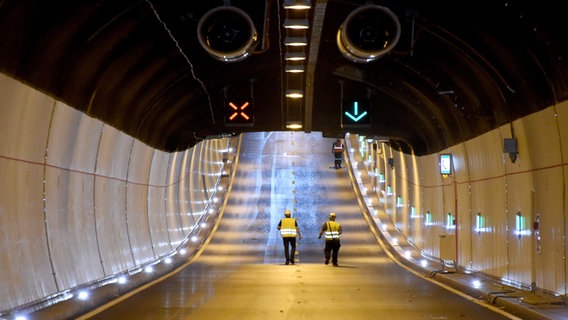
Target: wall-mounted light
{"x":299,"y":24}
{"x":399,"y":202}
{"x":413,"y":214}
{"x":450,"y":221}
{"x":520,"y":225}
{"x":83,"y":295}
{"x":536,"y":228}
{"x":428,"y":219}
{"x":479,"y":222}
{"x":294,"y":94}
{"x":297,"y":4}
{"x":122,"y":279}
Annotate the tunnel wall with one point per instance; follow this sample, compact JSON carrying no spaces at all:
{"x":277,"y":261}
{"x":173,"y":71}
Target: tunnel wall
{"x":59,"y":168}
{"x":509,"y":217}
{"x":81,"y":202}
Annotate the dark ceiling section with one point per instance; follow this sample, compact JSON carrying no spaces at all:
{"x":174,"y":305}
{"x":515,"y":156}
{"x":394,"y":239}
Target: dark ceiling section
{"x":458,"y":70}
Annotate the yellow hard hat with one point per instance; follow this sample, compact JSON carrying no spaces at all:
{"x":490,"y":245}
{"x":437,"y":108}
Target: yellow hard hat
{"x":287,"y":212}
{"x":332,"y":214}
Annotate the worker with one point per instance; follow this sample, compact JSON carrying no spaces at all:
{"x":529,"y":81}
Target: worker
{"x":332,"y":230}
{"x":337,"y":150}
{"x":289,"y":229}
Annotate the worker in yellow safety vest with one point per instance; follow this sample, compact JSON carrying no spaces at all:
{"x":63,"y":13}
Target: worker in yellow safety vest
{"x":337,"y":150}
{"x":331,"y":230}
{"x":289,"y":230}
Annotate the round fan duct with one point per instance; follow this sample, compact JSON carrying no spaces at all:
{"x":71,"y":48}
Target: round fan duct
{"x":368,"y":33}
{"x":227,"y":33}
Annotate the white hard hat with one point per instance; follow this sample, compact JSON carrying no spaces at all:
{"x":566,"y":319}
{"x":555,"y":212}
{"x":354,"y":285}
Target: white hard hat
{"x":332,"y":214}
{"x":287,"y":212}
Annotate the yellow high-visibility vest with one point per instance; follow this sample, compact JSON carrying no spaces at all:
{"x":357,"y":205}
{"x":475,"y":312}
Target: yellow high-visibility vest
{"x":332,"y":230}
{"x":288,"y":228}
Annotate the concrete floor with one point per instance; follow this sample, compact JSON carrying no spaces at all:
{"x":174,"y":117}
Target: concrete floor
{"x":241,"y":273}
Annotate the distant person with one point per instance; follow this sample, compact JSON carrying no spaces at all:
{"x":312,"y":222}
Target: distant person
{"x":332,"y":230}
{"x":288,"y":227}
{"x":337,"y":150}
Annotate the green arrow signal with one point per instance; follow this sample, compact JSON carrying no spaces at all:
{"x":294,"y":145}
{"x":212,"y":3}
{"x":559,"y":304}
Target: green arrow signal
{"x":356,"y":116}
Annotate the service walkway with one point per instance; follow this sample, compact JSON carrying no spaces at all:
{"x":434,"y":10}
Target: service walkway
{"x":241,"y":273}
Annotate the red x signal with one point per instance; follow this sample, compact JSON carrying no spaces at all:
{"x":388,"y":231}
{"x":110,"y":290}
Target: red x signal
{"x":239,"y":114}
{"x":239,"y":111}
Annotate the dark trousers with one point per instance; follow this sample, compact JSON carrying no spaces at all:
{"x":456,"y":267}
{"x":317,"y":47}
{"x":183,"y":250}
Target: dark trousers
{"x":337,"y":156}
{"x":289,"y":247}
{"x":331,"y":250}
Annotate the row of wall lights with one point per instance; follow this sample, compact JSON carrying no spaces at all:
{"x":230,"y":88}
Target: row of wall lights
{"x":86,"y":293}
{"x":406,"y":250}
{"x":479,"y":224}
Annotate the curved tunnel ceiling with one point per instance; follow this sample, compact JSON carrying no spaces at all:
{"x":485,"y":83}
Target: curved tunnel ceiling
{"x":457,"y":71}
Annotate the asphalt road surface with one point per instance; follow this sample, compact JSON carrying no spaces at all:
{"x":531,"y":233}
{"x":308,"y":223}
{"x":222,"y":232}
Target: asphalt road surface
{"x":241,"y":272}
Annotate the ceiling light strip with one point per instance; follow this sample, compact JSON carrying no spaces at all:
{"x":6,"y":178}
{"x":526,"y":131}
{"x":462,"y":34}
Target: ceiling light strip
{"x":294,"y":68}
{"x":315,"y":39}
{"x":295,"y":56}
{"x":297,"y":4}
{"x":296,"y":41}
{"x":297,"y":24}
